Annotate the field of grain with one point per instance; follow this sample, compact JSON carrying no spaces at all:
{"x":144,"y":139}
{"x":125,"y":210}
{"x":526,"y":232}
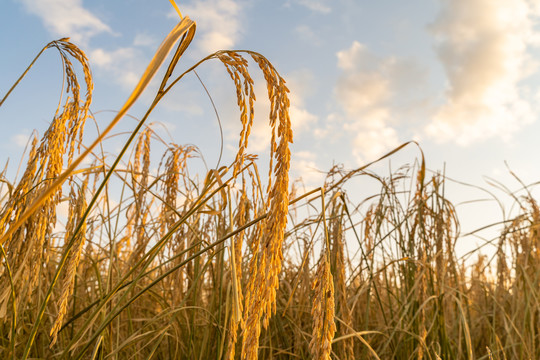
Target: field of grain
{"x":235,"y":264}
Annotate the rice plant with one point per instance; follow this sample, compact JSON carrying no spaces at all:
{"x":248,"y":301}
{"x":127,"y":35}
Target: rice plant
{"x":232,"y":264}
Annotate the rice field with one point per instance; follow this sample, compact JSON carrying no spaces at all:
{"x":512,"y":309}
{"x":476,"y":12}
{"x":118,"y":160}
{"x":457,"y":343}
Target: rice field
{"x":238,"y":264}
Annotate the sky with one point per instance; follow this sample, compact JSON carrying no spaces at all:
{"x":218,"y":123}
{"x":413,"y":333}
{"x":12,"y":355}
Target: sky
{"x":460,"y":77}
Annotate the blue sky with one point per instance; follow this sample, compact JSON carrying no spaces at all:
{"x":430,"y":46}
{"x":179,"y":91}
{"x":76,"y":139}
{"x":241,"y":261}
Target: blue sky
{"x":458,"y":76}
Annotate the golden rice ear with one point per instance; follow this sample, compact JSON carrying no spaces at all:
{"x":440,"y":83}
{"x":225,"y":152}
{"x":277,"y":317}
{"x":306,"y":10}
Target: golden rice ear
{"x":76,"y":210}
{"x":185,"y":27}
{"x":237,"y":68}
{"x":74,"y":105}
{"x":261,"y":299}
{"x":50,"y":193}
{"x":32,"y":241}
{"x":337,"y":237}
{"x":140,"y":178}
{"x":323,"y":312}
{"x":240,"y":219}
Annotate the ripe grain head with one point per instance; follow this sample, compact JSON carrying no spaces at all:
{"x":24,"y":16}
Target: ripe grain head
{"x":323,"y":312}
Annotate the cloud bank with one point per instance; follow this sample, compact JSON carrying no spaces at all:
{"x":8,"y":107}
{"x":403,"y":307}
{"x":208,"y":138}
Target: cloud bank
{"x":483,"y":47}
{"x":369,"y":90}
{"x":67,"y":18}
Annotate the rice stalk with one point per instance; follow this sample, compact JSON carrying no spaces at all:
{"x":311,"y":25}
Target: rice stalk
{"x":242,"y":217}
{"x":336,"y":234}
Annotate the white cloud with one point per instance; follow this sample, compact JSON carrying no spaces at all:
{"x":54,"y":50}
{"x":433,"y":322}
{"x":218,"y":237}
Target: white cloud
{"x":483,"y":45}
{"x":301,"y":84}
{"x":301,"y":119}
{"x":363,"y":93}
{"x":304,"y":166}
{"x":218,"y":24}
{"x":106,"y":59}
{"x":67,"y":18}
{"x":371,"y":89}
{"x":22,"y":139}
{"x":357,"y":57}
{"x":318,"y":6}
{"x":124,"y":65}
{"x":143,"y":39}
{"x":259,"y":139}
{"x":374,"y":84}
{"x":369,"y":144}
{"x":327,"y":131}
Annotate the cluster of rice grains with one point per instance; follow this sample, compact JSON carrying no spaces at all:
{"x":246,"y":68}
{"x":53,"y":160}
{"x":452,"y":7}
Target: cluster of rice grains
{"x":28,"y":250}
{"x":28,"y":247}
{"x":147,"y":260}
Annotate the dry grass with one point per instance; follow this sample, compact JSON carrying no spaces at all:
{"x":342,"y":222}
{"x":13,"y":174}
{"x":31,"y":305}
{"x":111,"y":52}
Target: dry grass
{"x":168,"y":265}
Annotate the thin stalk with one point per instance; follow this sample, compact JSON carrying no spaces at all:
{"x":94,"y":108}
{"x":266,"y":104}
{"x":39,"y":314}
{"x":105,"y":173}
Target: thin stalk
{"x":13,"y":304}
{"x":111,"y":317}
{"x":25,"y":72}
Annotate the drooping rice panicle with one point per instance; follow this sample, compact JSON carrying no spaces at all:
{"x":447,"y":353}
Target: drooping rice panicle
{"x":323,"y":312}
